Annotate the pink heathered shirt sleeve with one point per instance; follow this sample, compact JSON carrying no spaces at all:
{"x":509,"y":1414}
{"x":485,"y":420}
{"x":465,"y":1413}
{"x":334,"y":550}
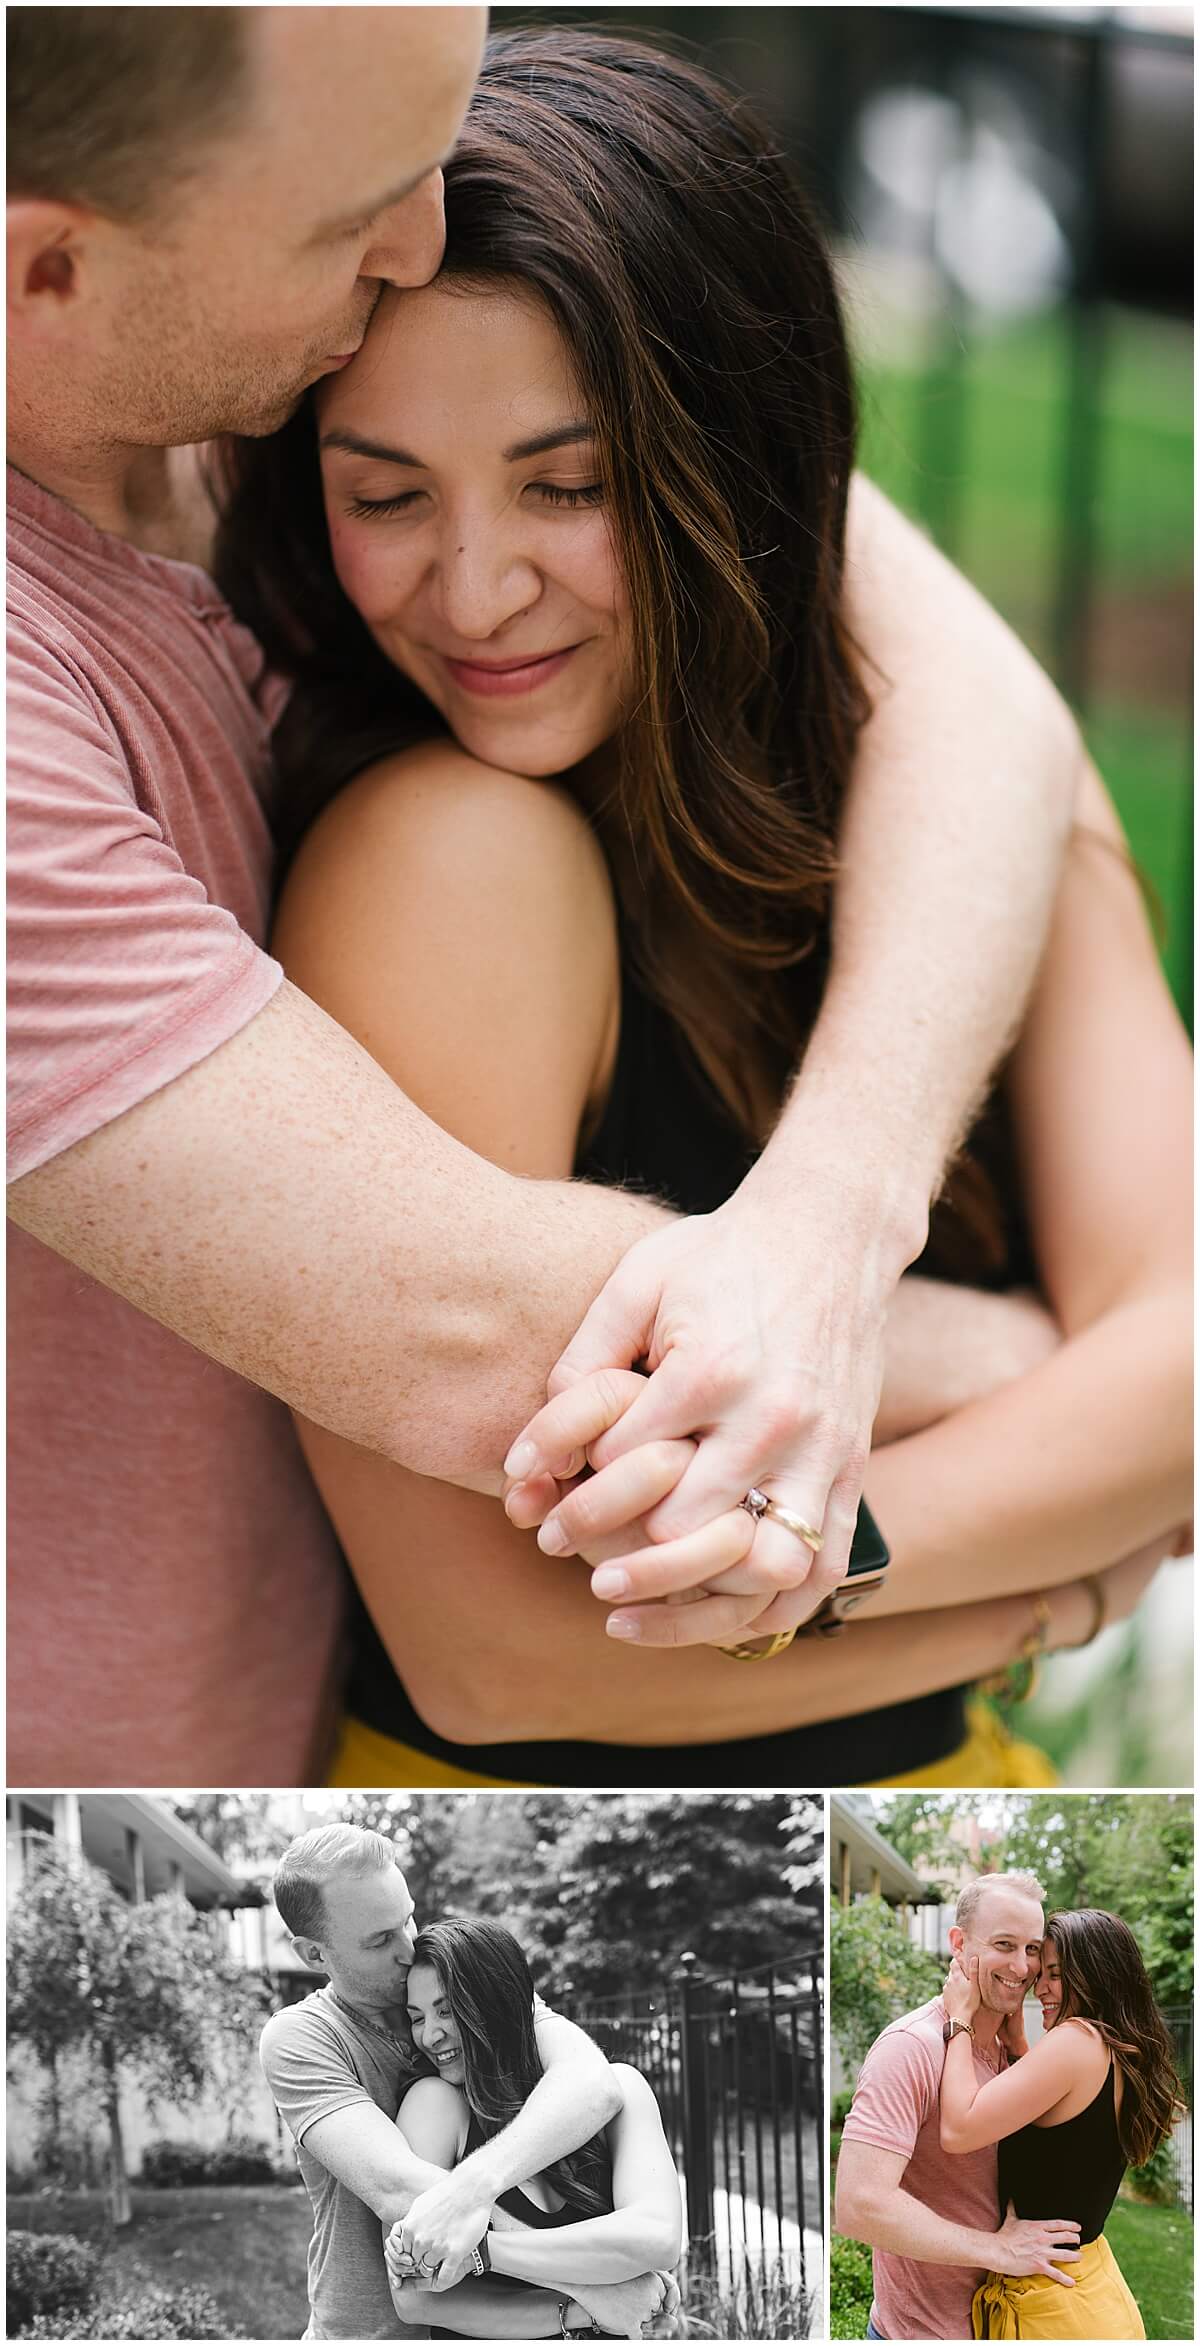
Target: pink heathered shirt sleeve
{"x":896,"y":2092}
{"x":122,"y":973}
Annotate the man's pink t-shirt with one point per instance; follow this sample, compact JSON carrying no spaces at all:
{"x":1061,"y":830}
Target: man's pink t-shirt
{"x":174,"y":1585}
{"x":895,"y":2108}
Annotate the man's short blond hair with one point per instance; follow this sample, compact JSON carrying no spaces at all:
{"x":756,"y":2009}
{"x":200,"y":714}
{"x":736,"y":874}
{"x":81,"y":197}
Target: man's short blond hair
{"x":1026,"y":1885}
{"x":312,"y":1861}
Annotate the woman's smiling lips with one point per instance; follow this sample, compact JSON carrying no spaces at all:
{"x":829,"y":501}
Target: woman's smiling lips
{"x":499,"y":679}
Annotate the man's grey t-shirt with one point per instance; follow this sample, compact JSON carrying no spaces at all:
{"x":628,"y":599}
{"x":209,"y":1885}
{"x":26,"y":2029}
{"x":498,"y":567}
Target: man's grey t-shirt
{"x":318,"y":2058}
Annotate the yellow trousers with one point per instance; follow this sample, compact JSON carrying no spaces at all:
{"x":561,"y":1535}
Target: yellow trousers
{"x":988,"y":1757}
{"x":1100,"y":2305}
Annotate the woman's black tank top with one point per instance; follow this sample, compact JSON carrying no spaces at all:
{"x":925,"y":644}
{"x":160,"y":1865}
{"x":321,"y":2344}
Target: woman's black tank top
{"x":665,"y":1131}
{"x":1072,"y":2171}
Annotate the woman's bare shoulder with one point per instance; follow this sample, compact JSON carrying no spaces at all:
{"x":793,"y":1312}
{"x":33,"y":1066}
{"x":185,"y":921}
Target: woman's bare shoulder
{"x":434,"y":2118}
{"x":435,"y":790}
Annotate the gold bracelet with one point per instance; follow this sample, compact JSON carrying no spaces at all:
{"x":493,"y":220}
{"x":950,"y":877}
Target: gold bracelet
{"x":1020,"y":1680}
{"x":1095,"y":1590}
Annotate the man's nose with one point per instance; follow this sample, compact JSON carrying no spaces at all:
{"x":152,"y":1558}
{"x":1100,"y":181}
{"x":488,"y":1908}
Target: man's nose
{"x":408,"y":240}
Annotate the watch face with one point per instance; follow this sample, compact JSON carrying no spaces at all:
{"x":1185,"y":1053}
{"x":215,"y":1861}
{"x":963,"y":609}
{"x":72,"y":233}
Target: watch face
{"x":869,"y":1551}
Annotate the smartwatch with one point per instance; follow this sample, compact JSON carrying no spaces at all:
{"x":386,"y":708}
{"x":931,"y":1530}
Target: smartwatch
{"x":865,"y":1576}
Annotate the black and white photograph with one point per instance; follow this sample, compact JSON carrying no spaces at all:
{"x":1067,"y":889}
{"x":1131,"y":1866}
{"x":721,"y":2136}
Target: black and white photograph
{"x":378,"y":2065}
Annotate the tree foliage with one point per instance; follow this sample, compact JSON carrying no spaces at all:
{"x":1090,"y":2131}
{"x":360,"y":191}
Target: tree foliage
{"x":608,"y":1890}
{"x":143,"y":1990}
{"x":875,"y":1974}
{"x":243,"y":1827}
{"x":1129,"y":1853}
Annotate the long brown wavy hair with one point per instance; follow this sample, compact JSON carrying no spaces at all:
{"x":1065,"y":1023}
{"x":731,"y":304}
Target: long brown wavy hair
{"x":658,"y":222}
{"x":488,"y":1985}
{"x":1104,"y":1980}
{"x":656,"y":218}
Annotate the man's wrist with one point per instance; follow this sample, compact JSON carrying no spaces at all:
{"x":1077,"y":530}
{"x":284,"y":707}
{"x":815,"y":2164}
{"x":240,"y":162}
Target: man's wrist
{"x":482,"y":2174}
{"x":872,"y":1217}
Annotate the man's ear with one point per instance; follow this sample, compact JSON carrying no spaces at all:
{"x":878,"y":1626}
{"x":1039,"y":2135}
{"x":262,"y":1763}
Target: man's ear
{"x":957,"y":1939}
{"x":46,"y":241}
{"x":311,"y":1952}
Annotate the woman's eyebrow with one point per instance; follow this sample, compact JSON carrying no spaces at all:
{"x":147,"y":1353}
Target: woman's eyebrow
{"x":563,"y":436}
{"x":354,"y":444}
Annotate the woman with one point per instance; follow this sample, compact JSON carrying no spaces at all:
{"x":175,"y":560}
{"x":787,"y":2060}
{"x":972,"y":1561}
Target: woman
{"x":585,"y":498}
{"x":1098,"y":2093}
{"x":604,"y":2216}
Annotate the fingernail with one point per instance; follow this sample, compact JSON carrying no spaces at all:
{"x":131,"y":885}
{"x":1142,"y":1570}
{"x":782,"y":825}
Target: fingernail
{"x":624,"y":1625}
{"x":609,"y":1581}
{"x":520,"y":1459}
{"x":552,"y":1540}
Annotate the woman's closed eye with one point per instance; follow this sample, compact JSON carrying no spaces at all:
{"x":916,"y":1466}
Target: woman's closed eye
{"x":549,"y":492}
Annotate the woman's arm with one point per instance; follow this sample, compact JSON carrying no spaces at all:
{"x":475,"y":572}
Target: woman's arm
{"x":1090,"y":1454}
{"x":375,"y":930}
{"x":644,"y":2229}
{"x":434,"y":2120}
{"x":1087,"y":1456}
{"x":973,"y":2115}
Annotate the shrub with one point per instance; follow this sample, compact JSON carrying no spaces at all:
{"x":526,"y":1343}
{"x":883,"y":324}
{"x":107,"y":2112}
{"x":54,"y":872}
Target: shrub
{"x":850,"y":2287}
{"x":48,"y":2273}
{"x":875,"y":1974}
{"x":146,"y":2312}
{"x":839,"y":2109}
{"x":1157,"y":2179}
{"x":239,"y":2159}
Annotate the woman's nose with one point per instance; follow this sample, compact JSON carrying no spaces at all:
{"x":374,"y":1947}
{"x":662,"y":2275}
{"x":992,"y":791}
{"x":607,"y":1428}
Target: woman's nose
{"x":485,"y":582}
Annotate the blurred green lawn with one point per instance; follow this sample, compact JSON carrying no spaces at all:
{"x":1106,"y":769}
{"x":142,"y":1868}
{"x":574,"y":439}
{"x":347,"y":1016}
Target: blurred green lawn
{"x":1009,"y":464}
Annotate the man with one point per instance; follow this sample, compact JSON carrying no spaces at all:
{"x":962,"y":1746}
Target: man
{"x":204,"y":204}
{"x":930,"y":2216}
{"x":339,"y":2065}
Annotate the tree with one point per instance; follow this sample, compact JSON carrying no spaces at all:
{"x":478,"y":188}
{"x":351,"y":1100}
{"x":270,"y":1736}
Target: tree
{"x":136,"y":1990}
{"x":242,"y":1827}
{"x":875,"y":1974}
{"x":1128,"y":1853}
{"x":637,"y":1880}
{"x":804,"y":1842}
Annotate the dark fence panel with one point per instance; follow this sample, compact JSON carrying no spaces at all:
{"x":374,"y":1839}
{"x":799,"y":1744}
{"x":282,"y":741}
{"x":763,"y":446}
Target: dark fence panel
{"x":735,"y":2060}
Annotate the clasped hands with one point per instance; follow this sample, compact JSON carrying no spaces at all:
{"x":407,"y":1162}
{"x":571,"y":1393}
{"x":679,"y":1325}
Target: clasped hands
{"x":629,"y":2308}
{"x":762,"y":1367}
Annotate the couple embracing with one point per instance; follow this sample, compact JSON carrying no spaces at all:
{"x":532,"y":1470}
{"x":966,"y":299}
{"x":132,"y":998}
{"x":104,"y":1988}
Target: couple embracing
{"x":957,"y":2120}
{"x":476,"y":2167}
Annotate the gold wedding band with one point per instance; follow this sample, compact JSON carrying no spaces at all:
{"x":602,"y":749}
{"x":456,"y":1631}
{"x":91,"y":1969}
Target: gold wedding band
{"x":757,"y":1503}
{"x":753,"y":1651}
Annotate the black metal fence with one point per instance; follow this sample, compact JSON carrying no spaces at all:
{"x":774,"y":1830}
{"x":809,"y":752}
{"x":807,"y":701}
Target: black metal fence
{"x":735,"y":2060}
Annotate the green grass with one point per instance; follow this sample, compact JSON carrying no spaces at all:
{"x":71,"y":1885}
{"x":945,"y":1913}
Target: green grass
{"x":245,"y":2243}
{"x":1152,"y":2245}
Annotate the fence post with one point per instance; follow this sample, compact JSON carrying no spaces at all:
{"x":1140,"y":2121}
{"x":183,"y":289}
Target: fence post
{"x":697,"y":2122}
